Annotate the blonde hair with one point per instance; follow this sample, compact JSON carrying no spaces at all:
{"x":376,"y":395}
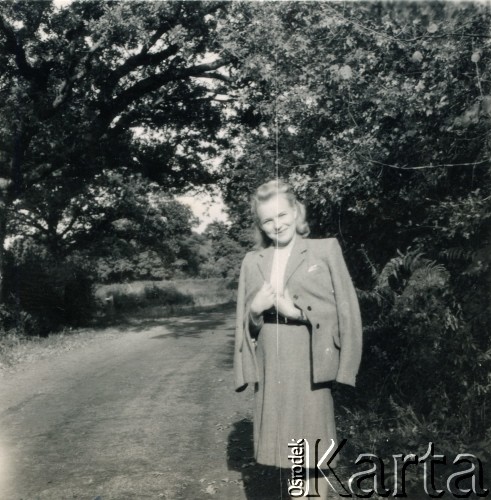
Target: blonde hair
{"x":265,"y":192}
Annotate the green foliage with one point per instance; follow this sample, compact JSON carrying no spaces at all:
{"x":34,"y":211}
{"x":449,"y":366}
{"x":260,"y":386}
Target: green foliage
{"x":423,"y":352}
{"x":153,"y":295}
{"x":226,"y":253}
{"x":44,"y":293}
{"x":143,"y":265}
{"x":99,"y":98}
{"x":194,"y":251}
{"x":117,"y":208}
{"x":379,"y":114}
{"x":16,"y":322}
{"x":166,"y":296}
{"x":162,"y":297}
{"x":366,"y":131}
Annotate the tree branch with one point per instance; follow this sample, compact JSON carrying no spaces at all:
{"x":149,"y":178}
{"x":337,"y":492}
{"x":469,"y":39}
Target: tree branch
{"x":421,"y":167}
{"x":70,"y":226}
{"x":403,"y":40}
{"x":37,"y":22}
{"x":404,"y":167}
{"x":216,"y":76}
{"x":140,"y":59}
{"x":153,"y":83}
{"x":65,"y":88}
{"x":15,"y":48}
{"x":45,"y":174}
{"x":143,"y":58}
{"x":28,"y":219}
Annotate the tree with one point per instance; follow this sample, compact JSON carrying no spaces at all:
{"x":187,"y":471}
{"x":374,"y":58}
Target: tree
{"x":226,"y":252}
{"x":377,"y":120}
{"x":117,"y":205}
{"x":98,"y":86}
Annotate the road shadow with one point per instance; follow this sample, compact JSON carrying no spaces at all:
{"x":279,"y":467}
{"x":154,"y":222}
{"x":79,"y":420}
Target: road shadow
{"x":186,"y":322}
{"x":192,"y":326}
{"x":127,"y":319}
{"x":261,"y":482}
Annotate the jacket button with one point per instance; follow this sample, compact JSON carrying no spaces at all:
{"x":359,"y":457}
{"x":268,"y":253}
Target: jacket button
{"x":295,"y":297}
{"x":317,"y":326}
{"x":309,"y":308}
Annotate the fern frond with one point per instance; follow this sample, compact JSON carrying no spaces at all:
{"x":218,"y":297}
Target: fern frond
{"x":457,"y":254}
{"x":429,"y":275}
{"x":412,"y":260}
{"x":392,"y":268}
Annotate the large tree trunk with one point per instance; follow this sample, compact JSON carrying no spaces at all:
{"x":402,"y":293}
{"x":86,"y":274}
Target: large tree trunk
{"x":9,"y":189}
{"x":3,"y":235}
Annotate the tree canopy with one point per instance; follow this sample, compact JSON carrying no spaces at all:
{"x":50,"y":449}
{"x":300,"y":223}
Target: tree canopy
{"x":378,"y":113}
{"x":98,"y":87}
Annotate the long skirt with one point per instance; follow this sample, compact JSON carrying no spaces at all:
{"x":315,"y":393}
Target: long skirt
{"x":288,"y":406}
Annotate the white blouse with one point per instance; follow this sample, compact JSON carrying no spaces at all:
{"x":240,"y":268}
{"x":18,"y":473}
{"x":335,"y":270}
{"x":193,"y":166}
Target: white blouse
{"x":280,"y":260}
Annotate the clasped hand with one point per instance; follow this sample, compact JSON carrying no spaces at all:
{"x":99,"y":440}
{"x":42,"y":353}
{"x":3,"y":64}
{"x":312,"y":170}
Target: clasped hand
{"x":266,"y":298}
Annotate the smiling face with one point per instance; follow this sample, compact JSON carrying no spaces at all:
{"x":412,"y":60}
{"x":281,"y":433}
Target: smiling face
{"x":278,"y":219}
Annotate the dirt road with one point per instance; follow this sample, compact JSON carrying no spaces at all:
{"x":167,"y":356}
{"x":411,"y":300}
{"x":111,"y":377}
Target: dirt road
{"x":143,"y":411}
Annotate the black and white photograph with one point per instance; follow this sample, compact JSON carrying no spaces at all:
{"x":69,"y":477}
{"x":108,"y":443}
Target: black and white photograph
{"x":245,"y":249}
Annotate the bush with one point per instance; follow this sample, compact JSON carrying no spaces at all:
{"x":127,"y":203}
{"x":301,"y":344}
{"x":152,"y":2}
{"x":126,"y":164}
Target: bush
{"x":422,"y":353}
{"x":51,"y":293}
{"x":124,"y":268}
{"x":168,"y":296}
{"x":130,"y":297}
{"x":17,"y":322}
{"x":173,"y":294}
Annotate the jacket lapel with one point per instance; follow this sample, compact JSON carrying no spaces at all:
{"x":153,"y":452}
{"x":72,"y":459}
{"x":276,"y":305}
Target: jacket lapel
{"x":296,"y":258}
{"x":265,"y":262}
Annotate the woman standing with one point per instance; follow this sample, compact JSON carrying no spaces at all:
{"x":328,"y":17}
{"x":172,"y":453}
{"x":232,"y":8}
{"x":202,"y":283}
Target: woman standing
{"x":298,"y":329}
